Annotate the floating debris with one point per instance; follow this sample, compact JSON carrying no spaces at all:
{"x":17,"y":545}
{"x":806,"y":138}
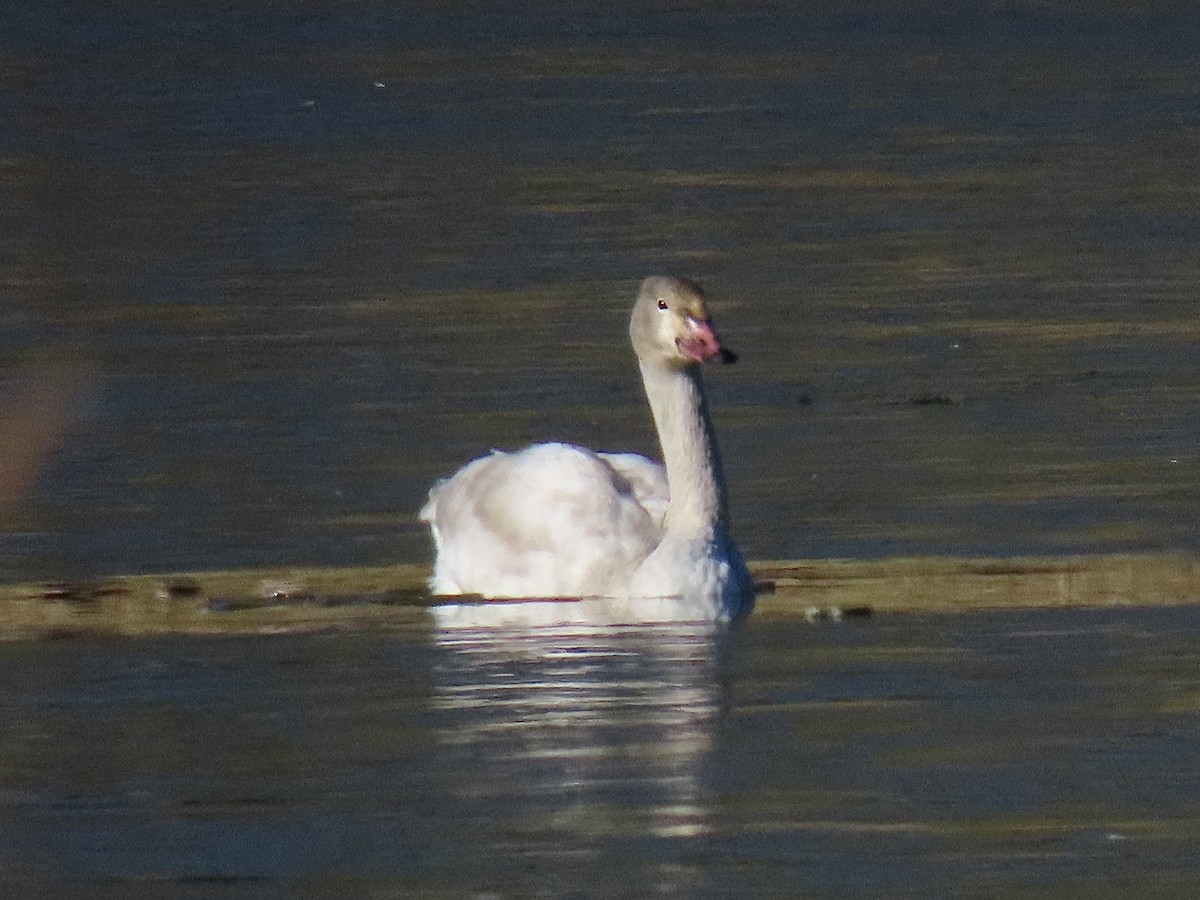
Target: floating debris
{"x":281,"y":591}
{"x":836,"y":613}
{"x":66,"y":592}
{"x":180,"y":590}
{"x":933,"y":400}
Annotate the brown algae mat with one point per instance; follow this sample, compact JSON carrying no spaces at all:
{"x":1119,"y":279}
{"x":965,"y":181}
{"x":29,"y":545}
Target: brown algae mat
{"x":299,"y":599}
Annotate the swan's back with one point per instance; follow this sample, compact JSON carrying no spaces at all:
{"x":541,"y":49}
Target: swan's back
{"x":552,"y":520}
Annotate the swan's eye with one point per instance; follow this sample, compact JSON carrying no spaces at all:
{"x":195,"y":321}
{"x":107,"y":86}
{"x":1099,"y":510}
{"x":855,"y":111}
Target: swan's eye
{"x":662,"y":304}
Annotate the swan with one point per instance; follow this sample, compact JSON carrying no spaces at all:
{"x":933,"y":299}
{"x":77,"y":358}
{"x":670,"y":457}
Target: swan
{"x":559,"y":521}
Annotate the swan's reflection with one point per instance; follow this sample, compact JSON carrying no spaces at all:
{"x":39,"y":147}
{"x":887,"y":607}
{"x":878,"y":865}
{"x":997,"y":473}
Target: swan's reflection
{"x":580,"y":732}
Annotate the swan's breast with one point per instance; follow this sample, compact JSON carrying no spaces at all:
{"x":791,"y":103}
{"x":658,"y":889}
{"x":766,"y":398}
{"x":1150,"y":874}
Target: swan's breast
{"x":707,"y":575}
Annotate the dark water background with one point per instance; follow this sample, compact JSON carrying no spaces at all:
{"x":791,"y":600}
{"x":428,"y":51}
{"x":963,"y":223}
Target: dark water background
{"x":297,"y":260}
{"x":321,"y":254}
{"x":1020,"y":755}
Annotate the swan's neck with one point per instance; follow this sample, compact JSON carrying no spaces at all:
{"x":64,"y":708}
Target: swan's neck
{"x":689,"y":450}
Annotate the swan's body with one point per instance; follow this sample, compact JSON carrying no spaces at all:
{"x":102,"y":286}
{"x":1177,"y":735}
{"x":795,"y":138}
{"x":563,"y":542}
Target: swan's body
{"x":555,"y":520}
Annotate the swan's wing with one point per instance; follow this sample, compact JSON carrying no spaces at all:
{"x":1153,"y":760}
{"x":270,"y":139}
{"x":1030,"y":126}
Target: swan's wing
{"x":648,"y":480}
{"x":551,"y":520}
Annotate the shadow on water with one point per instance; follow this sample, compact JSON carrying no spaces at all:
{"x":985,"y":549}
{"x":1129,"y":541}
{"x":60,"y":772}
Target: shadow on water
{"x":1017,"y":754}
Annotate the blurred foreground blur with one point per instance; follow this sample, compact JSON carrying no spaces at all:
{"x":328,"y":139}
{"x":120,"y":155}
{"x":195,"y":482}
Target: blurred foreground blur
{"x":40,"y":402}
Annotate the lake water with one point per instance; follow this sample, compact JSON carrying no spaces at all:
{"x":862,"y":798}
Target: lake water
{"x":268,"y":270}
{"x":311,"y":257}
{"x":1039,"y":754}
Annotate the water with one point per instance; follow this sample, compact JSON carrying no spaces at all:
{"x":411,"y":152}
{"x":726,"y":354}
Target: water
{"x":317,"y":256}
{"x":1017,"y":755}
{"x":267,"y":271}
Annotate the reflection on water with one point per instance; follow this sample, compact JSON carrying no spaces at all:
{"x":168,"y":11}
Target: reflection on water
{"x":1045,"y":754}
{"x":606,"y":731}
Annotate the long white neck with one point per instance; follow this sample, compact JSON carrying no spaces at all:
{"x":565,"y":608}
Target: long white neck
{"x":689,"y":450}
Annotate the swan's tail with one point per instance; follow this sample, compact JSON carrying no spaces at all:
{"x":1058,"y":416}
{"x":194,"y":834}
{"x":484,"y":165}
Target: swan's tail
{"x":439,"y":583}
{"x":428,"y":512}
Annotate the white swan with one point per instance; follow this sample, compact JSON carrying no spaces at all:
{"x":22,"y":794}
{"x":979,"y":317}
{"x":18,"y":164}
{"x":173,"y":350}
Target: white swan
{"x":555,"y":520}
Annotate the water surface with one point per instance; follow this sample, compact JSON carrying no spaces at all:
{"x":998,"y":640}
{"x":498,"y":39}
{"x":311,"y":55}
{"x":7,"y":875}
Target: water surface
{"x":1028,"y":754}
{"x":320,"y":255}
{"x":287,"y":264}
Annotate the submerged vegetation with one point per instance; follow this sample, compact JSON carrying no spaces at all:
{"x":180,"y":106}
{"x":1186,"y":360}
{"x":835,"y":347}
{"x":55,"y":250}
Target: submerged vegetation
{"x":395,"y":598}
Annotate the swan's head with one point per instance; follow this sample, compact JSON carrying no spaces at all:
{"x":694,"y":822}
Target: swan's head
{"x":670,"y":324}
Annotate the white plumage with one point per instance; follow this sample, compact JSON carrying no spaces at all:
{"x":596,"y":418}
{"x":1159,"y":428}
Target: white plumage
{"x":647,"y":542}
